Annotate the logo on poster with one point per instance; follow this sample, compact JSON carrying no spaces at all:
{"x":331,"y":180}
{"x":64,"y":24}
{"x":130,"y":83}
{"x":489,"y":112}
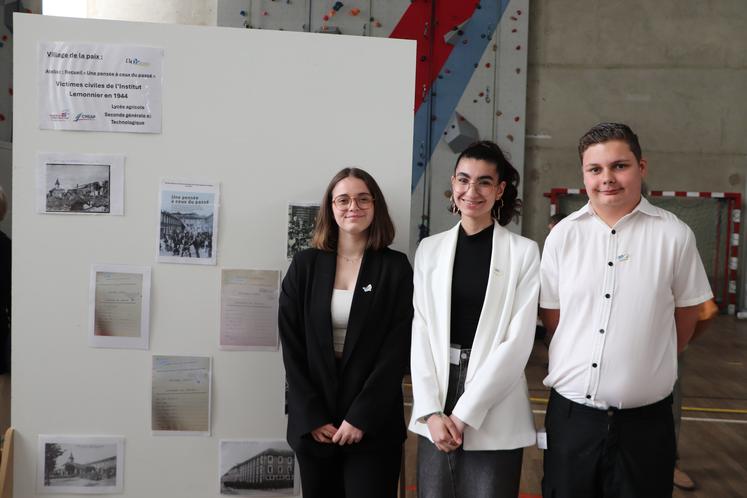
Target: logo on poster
{"x":136,"y":61}
{"x":84,"y":117}
{"x":60,"y":116}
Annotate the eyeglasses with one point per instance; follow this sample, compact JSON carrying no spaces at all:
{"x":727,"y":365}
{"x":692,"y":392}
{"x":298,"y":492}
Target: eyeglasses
{"x":363,"y":201}
{"x":461,"y":184}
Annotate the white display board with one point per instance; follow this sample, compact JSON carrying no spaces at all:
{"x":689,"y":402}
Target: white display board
{"x":268,"y":115}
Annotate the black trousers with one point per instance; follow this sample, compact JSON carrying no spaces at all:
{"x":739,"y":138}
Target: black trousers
{"x":611,"y":453}
{"x":366,"y":474}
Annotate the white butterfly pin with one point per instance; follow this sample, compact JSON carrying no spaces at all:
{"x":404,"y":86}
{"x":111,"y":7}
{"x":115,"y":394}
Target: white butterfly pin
{"x":367,"y":288}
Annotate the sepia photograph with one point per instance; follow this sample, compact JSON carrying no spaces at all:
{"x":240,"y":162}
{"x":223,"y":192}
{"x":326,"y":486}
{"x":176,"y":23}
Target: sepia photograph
{"x":119,"y":306}
{"x":181,"y":395}
{"x":80,"y":184}
{"x":80,"y":464}
{"x":188,"y":228}
{"x":257,"y":468}
{"x":301,"y":222}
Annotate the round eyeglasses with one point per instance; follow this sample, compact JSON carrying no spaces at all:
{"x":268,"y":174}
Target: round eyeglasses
{"x":461,"y":184}
{"x":363,"y":201}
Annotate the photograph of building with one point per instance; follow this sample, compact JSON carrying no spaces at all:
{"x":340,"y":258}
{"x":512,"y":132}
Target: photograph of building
{"x":70,"y":465}
{"x":78,"y":188}
{"x":266,"y":472}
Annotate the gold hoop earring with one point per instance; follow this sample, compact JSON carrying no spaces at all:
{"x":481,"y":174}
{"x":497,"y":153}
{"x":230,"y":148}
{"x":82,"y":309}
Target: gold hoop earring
{"x":453,"y":208}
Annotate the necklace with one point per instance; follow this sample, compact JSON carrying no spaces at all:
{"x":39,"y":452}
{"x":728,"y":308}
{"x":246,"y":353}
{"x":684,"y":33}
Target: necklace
{"x":350,"y":260}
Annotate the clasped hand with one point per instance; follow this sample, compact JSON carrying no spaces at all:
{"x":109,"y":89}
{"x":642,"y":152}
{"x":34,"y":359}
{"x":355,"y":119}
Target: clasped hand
{"x":446,"y":431}
{"x":329,"y":434}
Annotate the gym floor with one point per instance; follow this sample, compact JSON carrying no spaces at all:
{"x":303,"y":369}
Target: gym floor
{"x":713,"y":438}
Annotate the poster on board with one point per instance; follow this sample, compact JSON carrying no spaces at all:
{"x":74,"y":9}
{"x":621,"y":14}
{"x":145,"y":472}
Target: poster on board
{"x":99,"y":87}
{"x":119,"y":307}
{"x":80,"y":464}
{"x":249,"y":309}
{"x":257,"y":468}
{"x":301,"y":222}
{"x":188,"y":227}
{"x":80,"y":183}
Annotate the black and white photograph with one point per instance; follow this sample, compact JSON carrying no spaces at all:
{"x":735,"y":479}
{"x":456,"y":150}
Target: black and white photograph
{"x":257,"y":468}
{"x":188,"y":228}
{"x":80,"y":464}
{"x":301,"y":222}
{"x":80,"y":184}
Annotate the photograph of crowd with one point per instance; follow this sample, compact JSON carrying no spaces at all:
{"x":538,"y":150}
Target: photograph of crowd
{"x":187,"y":226}
{"x":301,"y":220}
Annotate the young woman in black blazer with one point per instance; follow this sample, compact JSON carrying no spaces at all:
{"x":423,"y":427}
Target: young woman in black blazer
{"x":345,"y":317}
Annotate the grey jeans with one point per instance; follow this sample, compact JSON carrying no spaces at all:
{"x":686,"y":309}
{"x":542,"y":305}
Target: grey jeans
{"x":466,"y":474}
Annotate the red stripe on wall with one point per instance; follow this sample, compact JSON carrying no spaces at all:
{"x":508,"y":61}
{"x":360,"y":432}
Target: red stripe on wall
{"x":432,"y":50}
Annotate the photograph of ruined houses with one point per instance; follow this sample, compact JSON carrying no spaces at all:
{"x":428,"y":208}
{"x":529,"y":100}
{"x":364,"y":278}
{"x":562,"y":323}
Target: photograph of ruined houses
{"x":78,"y":188}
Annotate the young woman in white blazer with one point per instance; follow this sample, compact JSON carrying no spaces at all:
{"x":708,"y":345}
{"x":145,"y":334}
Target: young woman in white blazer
{"x":475,"y":300}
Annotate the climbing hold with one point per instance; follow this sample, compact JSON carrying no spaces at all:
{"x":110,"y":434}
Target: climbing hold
{"x":243,"y":13}
{"x":377,"y":24}
{"x":460,"y":134}
{"x":518,"y":12}
{"x":514,"y":30}
{"x":518,"y":47}
{"x":487,"y":64}
{"x":518,"y":70}
{"x":265,"y":13}
{"x":510,"y":137}
{"x":355,"y":11}
{"x":516,"y":119}
{"x":481,"y":94}
{"x":499,"y":113}
{"x":337,"y":6}
{"x":325,"y":17}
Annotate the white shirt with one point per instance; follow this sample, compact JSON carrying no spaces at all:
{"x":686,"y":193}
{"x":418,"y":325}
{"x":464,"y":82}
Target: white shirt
{"x":616,"y":288}
{"x":342,"y":300}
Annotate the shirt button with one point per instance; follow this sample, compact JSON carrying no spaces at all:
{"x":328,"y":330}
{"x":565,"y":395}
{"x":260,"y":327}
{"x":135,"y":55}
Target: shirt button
{"x":464,"y":356}
{"x":588,"y":396}
{"x":610,"y":412}
{"x":601,"y":331}
{"x":594,"y":365}
{"x":609,"y":263}
{"x":607,"y":296}
{"x":614,"y":232}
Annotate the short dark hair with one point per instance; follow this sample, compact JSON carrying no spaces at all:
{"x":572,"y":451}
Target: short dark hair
{"x":326,"y":232}
{"x":490,"y":152}
{"x":604,"y":132}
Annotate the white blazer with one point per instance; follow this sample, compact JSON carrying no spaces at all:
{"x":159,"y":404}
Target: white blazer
{"x":495,"y":404}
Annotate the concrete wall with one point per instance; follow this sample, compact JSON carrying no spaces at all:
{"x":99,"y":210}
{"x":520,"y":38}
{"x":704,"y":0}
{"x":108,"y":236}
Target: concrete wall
{"x":674,"y":70}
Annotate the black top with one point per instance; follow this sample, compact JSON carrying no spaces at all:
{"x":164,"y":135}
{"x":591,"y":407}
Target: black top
{"x":468,"y":284}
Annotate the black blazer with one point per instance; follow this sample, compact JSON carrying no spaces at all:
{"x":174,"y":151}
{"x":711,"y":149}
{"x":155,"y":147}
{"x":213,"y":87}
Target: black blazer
{"x":365,"y":386}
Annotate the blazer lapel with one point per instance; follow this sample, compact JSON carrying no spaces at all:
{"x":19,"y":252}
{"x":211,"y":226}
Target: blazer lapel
{"x":364,"y":294}
{"x":493,"y":316}
{"x":321,"y":301}
{"x":441,"y":287}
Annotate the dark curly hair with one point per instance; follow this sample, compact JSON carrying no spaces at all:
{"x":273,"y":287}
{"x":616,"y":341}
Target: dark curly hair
{"x":490,"y":152}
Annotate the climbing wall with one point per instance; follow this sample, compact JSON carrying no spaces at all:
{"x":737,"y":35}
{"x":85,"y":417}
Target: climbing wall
{"x":470,"y":76}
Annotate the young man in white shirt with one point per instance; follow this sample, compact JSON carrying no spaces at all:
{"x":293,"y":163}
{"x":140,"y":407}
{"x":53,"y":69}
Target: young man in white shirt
{"x":621,"y":284}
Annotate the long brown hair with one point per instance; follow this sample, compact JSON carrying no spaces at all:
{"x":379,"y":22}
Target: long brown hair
{"x":326,"y":231}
